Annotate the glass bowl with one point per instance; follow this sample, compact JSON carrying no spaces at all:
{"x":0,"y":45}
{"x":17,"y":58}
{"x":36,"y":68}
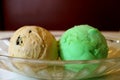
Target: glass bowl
{"x":56,"y":70}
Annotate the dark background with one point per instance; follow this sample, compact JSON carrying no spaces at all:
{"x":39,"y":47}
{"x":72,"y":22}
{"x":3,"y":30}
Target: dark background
{"x":60,"y":14}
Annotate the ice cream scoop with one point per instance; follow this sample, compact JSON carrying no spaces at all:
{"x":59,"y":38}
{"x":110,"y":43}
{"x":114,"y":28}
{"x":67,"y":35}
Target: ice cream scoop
{"x":82,"y":42}
{"x":33,"y":42}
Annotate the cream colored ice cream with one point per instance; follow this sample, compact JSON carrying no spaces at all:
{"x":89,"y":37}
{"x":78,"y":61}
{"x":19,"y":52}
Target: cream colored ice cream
{"x":33,"y":42}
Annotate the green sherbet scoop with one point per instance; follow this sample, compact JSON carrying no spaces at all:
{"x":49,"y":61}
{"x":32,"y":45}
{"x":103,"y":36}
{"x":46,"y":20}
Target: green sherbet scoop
{"x":82,"y":42}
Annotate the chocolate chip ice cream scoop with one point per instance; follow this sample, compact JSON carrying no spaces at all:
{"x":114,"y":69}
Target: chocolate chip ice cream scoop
{"x":33,"y":42}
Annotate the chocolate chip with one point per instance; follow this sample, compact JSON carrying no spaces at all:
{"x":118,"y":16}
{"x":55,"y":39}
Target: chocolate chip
{"x":19,"y":41}
{"x":30,"y":31}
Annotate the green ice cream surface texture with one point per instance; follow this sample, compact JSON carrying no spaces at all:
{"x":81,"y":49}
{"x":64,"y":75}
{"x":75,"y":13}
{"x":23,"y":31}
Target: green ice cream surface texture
{"x":82,"y":42}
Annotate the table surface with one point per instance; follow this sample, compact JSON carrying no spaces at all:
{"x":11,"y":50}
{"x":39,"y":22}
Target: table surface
{"x":4,"y":34}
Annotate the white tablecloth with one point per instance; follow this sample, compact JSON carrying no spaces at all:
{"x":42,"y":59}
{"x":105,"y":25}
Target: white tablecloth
{"x":58,"y":33}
